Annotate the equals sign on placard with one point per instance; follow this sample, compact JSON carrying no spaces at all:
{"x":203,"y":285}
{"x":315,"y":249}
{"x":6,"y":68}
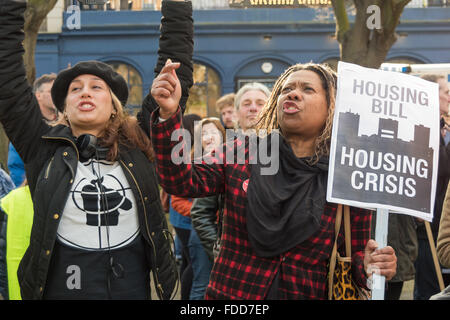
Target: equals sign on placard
{"x":387,"y":134}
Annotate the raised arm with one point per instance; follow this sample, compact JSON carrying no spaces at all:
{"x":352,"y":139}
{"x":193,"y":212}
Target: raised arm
{"x":179,"y":178}
{"x":19,"y":109}
{"x":175,"y":43}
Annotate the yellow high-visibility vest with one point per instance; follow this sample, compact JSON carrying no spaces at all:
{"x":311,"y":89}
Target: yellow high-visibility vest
{"x":18,"y":206}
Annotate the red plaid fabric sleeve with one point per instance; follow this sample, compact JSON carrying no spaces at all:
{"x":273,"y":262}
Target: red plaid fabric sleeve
{"x":360,"y":222}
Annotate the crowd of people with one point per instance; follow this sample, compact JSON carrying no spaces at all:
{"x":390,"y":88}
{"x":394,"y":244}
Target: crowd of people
{"x":103,"y":205}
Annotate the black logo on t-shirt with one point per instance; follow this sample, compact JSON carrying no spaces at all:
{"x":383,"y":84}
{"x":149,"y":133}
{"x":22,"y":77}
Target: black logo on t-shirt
{"x":99,"y":198}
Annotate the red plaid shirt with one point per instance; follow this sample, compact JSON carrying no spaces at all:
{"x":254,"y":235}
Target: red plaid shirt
{"x":238,"y":273}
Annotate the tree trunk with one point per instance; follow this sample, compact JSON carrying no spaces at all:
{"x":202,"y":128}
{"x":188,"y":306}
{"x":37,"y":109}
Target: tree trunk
{"x":370,"y":51}
{"x":35,"y":13}
{"x":360,"y":44}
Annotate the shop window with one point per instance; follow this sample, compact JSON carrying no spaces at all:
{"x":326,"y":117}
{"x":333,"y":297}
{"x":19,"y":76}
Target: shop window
{"x":134,"y":81}
{"x":205,"y":92}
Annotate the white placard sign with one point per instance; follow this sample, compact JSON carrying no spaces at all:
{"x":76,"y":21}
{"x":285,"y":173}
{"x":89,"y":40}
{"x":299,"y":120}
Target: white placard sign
{"x":385,"y":141}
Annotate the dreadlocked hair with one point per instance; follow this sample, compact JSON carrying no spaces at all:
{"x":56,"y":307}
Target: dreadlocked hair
{"x":268,"y":120}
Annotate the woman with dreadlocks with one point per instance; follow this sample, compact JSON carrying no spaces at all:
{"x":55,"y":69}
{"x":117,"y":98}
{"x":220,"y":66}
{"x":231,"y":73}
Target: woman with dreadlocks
{"x":278,"y":229}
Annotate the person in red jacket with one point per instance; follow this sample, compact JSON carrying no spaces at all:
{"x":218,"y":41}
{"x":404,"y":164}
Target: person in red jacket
{"x":278,"y":228}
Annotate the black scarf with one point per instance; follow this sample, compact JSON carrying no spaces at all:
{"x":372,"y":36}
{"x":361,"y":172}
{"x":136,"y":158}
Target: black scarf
{"x":285,"y":209}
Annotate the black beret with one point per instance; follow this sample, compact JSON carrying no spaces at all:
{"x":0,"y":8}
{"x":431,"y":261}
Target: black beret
{"x":114,"y":80}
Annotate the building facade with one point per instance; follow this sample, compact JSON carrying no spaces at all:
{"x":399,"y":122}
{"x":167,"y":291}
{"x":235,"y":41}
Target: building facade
{"x":232,"y":46}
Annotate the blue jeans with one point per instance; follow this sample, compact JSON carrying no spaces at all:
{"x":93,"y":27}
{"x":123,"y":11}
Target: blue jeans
{"x":201,"y":267}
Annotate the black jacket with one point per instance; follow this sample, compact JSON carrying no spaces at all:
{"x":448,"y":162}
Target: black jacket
{"x":206,"y":215}
{"x":51,"y":156}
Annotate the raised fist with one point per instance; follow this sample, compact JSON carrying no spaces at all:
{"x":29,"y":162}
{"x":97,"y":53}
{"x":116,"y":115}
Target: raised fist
{"x":166,"y":89}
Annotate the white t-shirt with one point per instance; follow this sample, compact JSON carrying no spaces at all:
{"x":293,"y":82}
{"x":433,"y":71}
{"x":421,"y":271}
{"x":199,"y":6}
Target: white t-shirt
{"x":100,"y":210}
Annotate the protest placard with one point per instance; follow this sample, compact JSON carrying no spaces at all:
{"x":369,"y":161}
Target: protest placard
{"x":385,"y":141}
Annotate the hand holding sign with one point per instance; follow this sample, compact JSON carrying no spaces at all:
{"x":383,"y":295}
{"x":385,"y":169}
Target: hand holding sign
{"x":381,"y":261}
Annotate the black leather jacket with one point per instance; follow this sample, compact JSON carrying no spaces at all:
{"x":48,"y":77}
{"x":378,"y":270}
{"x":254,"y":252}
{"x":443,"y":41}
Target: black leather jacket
{"x":206,"y":217}
{"x":51,"y":156}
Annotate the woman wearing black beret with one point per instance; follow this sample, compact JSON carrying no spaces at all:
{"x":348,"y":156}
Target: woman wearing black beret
{"x":98,"y":227}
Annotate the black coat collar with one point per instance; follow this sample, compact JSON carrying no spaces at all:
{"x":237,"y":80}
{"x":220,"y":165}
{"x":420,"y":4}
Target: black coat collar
{"x":60,"y":131}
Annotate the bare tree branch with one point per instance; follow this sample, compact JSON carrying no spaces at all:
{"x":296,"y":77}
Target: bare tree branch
{"x":342,"y":23}
{"x":35,"y":14}
{"x":393,"y":11}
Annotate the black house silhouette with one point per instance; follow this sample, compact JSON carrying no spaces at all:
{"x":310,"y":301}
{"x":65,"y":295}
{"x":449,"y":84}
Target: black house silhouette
{"x":385,"y":141}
